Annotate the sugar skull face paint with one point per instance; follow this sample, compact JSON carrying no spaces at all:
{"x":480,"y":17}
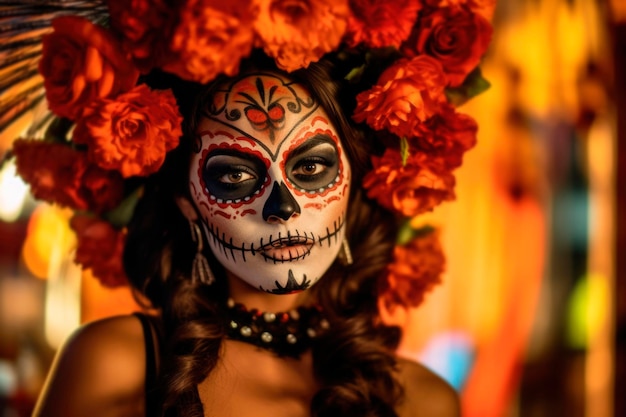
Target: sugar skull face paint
{"x":271,"y":182}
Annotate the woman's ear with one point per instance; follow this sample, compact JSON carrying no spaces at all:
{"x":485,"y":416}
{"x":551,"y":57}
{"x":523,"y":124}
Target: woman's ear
{"x":187,"y":208}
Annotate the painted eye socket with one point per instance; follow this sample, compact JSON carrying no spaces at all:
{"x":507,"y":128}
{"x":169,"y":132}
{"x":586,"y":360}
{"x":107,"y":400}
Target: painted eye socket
{"x":233,"y":177}
{"x":314,"y":165}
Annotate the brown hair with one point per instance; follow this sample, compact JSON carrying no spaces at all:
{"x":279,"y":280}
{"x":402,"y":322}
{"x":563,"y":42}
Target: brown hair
{"x":354,"y":361}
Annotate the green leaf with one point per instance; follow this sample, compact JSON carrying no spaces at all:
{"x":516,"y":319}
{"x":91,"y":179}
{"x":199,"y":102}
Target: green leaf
{"x":355,"y":74}
{"x":473,"y":85}
{"x":120,"y":216}
{"x":57,"y":130}
{"x":406,"y":233}
{"x":404,"y":150}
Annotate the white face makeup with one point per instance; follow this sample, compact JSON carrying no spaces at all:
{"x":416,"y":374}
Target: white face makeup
{"x":271,"y":182}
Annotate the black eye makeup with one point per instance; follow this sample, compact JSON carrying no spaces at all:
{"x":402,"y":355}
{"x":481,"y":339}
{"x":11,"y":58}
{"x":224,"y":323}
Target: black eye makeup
{"x":314,"y":165}
{"x":233,"y":176}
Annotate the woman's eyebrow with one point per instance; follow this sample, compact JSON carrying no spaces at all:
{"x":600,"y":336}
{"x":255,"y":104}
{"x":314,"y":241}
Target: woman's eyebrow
{"x":311,"y":143}
{"x":233,"y":152}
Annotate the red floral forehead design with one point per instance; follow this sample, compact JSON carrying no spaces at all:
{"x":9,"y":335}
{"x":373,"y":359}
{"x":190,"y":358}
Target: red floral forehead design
{"x":263,"y":99}
{"x":412,"y":62}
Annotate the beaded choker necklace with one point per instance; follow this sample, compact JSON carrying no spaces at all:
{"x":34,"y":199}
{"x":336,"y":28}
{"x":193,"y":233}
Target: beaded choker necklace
{"x":285,"y":334}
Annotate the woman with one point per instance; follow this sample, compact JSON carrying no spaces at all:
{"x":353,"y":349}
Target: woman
{"x":268,"y":178}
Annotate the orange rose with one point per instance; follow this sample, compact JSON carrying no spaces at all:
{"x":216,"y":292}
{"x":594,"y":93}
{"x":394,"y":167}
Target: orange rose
{"x":456,"y":36}
{"x":417,"y":187}
{"x":81,"y":62}
{"x":59,"y":174}
{"x":407,"y":94}
{"x":415,"y":270}
{"x":211,"y":38}
{"x":133,"y":133}
{"x":378,"y":24}
{"x":298,"y":32}
{"x":100,"y":248}
{"x":143,"y":25}
{"x":447,"y":134}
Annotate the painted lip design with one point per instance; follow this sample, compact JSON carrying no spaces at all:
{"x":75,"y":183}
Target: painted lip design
{"x":287,"y":249}
{"x":293,"y":246}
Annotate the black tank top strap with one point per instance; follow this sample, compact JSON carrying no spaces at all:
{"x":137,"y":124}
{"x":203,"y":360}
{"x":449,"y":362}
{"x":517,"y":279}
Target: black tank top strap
{"x":151,"y":364}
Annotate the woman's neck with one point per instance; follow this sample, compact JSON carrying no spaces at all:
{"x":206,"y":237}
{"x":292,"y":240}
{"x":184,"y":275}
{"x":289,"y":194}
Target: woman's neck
{"x":243,"y":293}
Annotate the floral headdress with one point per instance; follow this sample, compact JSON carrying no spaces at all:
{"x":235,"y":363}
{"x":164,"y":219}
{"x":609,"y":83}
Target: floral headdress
{"x":416,"y":61}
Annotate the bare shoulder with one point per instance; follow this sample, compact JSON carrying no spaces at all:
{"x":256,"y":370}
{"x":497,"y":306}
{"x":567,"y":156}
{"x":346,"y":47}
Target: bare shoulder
{"x":100,"y":371}
{"x":425,"y":393}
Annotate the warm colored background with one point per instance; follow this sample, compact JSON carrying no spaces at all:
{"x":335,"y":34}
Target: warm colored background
{"x":531,"y":319}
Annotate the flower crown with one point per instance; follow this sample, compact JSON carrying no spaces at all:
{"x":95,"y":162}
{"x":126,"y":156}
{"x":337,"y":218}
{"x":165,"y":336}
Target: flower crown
{"x":417,"y":61}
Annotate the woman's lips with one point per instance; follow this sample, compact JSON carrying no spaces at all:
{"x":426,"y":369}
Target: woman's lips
{"x":287,"y":249}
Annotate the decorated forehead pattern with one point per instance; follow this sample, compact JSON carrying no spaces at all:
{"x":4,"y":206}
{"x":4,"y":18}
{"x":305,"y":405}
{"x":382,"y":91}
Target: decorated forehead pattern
{"x":262,"y":105}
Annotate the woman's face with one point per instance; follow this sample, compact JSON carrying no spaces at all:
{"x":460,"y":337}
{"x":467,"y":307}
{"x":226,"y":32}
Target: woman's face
{"x":271,"y":183}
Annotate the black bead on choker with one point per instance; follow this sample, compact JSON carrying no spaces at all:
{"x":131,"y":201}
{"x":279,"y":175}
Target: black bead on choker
{"x":285,"y":334}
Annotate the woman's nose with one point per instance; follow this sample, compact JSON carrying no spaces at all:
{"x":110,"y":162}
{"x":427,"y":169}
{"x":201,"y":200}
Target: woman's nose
{"x":280,"y":205}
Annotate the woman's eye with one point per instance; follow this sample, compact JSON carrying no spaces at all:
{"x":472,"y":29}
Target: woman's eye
{"x":314,"y":165}
{"x":235,"y":177}
{"x":309,"y":168}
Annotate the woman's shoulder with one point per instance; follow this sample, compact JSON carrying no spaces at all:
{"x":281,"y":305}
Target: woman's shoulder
{"x":102,"y":364}
{"x":426,"y":394}
{"x":107,"y":342}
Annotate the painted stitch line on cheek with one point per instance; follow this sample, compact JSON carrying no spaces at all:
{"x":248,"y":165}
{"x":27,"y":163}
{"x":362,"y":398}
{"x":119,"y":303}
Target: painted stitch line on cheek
{"x":331,"y":236}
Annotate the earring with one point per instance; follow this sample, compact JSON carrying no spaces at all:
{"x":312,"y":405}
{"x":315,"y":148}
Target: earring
{"x":346,"y":256}
{"x":200,"y":269}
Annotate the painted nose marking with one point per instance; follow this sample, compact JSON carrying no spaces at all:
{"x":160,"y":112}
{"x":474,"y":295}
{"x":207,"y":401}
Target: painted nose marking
{"x":280,"y":203}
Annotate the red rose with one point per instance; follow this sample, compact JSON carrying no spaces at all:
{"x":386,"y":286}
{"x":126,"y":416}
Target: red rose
{"x":455,"y":35}
{"x":298,"y":32}
{"x":407,"y":94}
{"x":414,"y":188}
{"x":448,"y":135}
{"x":103,"y":190}
{"x":415,"y":270}
{"x":132,"y":133}
{"x":381,"y":23}
{"x":143,"y":26}
{"x":81,"y":62}
{"x":211,"y":39}
{"x":59,"y":174}
{"x":100,"y":248}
